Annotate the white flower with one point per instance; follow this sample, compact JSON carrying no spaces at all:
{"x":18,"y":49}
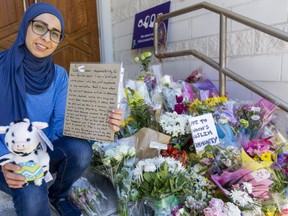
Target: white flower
{"x":150,"y":167}
{"x":166,"y":80}
{"x":110,"y":153}
{"x":106,"y":161}
{"x":174,"y":124}
{"x":153,"y":164}
{"x":248,"y":187}
{"x":231,"y":210}
{"x":118,"y":157}
{"x":241,"y":198}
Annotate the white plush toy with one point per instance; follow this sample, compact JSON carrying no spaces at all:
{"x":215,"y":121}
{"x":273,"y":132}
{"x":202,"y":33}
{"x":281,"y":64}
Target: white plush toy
{"x":24,"y":142}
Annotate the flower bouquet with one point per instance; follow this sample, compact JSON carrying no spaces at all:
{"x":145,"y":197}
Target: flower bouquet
{"x":116,"y":162}
{"x":88,"y":198}
{"x":176,"y":126}
{"x":200,"y":191}
{"x":170,"y":90}
{"x":218,"y":207}
{"x":279,"y":187}
{"x":141,"y":115}
{"x":147,"y":75}
{"x":160,"y":182}
{"x":176,"y":153}
{"x":209,"y":105}
{"x":253,"y":117}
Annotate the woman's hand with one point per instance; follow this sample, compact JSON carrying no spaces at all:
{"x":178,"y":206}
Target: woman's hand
{"x":115,"y":119}
{"x":13,"y":180}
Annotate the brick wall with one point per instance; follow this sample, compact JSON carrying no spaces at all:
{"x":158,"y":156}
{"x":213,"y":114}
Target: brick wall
{"x":254,"y":55}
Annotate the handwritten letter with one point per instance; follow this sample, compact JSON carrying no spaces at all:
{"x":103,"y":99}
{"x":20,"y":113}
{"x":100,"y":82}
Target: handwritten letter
{"x":92,"y":94}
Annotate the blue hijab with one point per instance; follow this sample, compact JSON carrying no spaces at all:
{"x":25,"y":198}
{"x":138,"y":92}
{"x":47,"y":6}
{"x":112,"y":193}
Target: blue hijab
{"x":22,"y":72}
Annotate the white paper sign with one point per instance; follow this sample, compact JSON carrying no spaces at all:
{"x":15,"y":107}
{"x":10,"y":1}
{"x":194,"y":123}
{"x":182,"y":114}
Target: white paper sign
{"x":203,"y":131}
{"x":158,"y":145}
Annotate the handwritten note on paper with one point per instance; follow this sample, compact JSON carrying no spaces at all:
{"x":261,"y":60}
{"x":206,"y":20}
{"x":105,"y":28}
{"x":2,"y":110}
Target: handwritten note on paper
{"x":92,"y":94}
{"x":203,"y":131}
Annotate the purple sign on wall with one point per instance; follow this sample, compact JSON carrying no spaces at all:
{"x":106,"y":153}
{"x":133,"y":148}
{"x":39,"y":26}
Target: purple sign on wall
{"x":144,"y":23}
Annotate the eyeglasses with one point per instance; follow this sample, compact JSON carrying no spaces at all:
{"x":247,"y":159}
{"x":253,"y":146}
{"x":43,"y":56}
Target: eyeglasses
{"x":41,"y":28}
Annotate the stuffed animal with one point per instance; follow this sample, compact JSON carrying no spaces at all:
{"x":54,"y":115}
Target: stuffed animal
{"x":24,"y":143}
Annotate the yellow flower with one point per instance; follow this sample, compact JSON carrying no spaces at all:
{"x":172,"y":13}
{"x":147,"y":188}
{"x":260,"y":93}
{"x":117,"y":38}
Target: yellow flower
{"x":269,"y":213}
{"x":209,"y":155}
{"x":274,"y":156}
{"x":244,"y":123}
{"x":130,"y":118}
{"x":266,"y":156}
{"x":123,"y":123}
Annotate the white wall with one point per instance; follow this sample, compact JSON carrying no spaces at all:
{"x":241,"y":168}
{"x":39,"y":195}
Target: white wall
{"x":254,"y":55}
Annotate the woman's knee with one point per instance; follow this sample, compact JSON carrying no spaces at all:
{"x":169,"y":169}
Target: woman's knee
{"x":77,"y":151}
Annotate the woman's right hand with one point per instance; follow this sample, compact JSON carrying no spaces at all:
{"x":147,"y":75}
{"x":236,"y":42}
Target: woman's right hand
{"x":13,"y":180}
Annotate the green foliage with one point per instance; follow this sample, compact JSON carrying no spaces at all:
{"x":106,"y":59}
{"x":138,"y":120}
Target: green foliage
{"x":142,"y":114}
{"x":162,"y":183}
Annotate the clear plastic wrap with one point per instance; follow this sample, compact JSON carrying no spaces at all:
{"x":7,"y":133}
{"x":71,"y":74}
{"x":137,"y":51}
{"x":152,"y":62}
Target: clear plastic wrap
{"x":88,"y":198}
{"x":116,"y":161}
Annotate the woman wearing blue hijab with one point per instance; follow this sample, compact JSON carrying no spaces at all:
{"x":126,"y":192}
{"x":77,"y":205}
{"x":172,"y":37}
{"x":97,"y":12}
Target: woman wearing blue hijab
{"x":32,"y":86}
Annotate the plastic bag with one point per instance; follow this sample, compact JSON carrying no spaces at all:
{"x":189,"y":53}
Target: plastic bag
{"x":88,"y":198}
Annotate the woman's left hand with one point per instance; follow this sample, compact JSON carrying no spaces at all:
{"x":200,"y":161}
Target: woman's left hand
{"x":115,"y":119}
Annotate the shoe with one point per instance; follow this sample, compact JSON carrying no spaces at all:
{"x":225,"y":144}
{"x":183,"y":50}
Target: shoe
{"x":65,"y":208}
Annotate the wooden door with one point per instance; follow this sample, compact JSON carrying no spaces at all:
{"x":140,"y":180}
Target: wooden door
{"x":11,"y":13}
{"x":81,"y":43}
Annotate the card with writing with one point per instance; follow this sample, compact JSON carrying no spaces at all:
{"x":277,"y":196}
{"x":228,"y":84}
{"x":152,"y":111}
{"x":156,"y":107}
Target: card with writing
{"x":92,"y":94}
{"x":203,"y":131}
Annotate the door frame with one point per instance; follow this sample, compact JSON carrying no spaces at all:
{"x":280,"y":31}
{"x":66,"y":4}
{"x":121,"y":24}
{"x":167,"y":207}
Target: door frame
{"x":105,"y":31}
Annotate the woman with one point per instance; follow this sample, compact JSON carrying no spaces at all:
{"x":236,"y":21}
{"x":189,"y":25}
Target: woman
{"x":32,"y":86}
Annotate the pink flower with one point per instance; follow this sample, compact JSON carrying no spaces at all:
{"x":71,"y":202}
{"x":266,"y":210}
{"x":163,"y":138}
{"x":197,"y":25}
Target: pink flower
{"x":232,"y":179}
{"x":179,"y":99}
{"x":257,"y":147}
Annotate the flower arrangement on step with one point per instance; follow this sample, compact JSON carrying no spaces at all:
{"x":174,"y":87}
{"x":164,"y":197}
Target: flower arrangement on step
{"x":161,"y":182}
{"x":243,"y":173}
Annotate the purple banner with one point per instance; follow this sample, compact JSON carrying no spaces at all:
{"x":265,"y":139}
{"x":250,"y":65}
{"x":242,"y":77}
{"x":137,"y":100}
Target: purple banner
{"x":144,"y":23}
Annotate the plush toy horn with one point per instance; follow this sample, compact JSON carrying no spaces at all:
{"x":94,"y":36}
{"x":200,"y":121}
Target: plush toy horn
{"x":40,"y":125}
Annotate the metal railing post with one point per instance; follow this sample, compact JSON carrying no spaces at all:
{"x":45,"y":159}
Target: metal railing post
{"x":221,"y":66}
{"x":222,"y":54}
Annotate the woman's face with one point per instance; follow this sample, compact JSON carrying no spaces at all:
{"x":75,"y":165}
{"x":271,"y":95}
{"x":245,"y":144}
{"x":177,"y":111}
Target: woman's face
{"x":42,"y":46}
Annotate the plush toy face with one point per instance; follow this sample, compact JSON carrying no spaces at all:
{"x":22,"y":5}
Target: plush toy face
{"x":23,"y":137}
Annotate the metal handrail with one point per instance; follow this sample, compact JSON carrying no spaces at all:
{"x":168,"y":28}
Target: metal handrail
{"x":221,"y":66}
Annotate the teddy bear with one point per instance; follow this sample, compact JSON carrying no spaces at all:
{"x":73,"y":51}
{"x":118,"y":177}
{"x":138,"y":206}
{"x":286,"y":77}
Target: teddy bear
{"x":27,"y":149}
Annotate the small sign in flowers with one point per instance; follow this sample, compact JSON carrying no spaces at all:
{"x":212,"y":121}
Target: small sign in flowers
{"x":203,"y":131}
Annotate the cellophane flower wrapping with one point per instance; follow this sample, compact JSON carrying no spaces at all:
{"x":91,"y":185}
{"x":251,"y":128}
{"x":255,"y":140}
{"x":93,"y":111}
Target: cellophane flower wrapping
{"x":253,"y":117}
{"x":281,"y":200}
{"x":116,"y":161}
{"x":88,"y":198}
